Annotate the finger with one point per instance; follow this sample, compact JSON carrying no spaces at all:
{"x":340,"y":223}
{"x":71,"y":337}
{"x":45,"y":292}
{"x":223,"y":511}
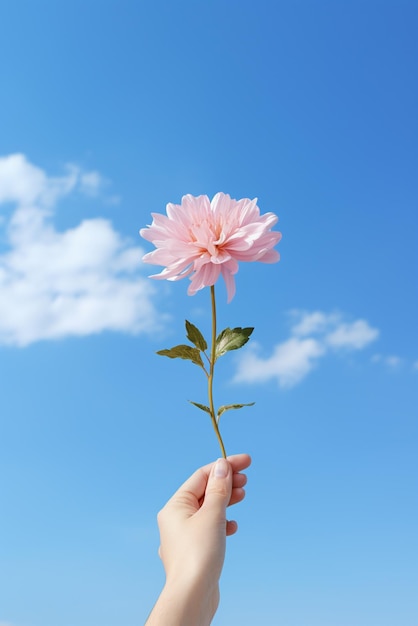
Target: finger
{"x":219,"y":488}
{"x":231,"y":527}
{"x":239,"y":480}
{"x":196,"y":484}
{"x":190,"y":494}
{"x":237,"y":495}
{"x":239,"y":461}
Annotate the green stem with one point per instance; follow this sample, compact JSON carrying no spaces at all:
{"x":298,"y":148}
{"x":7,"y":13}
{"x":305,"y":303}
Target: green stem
{"x":211,"y":372}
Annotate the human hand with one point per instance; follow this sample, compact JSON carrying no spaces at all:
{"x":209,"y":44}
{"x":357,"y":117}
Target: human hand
{"x":193,"y":529}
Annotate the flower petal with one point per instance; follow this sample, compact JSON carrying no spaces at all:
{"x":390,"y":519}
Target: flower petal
{"x":203,"y":239}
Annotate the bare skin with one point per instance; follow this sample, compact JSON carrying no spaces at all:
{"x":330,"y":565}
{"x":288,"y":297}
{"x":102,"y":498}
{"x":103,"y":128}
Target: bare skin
{"x":193,"y":530}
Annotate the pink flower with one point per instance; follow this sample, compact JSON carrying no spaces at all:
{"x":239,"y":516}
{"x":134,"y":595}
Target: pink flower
{"x":204,"y":239}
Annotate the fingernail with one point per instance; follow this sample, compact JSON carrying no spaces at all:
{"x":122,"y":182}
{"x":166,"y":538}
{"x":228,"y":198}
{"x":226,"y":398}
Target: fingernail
{"x":221,"y":468}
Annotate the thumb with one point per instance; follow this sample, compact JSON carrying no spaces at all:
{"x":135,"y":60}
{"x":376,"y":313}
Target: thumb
{"x":219,"y":487}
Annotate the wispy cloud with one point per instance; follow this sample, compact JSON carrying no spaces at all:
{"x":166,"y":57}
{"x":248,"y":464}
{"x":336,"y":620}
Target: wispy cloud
{"x":394,"y":362}
{"x":391,"y":361}
{"x":92,"y":183}
{"x":54,"y":283}
{"x":313,"y":335}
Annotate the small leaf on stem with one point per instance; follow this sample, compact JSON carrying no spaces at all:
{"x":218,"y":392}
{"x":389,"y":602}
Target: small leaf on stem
{"x":195,"y":336}
{"x":227,"y":407}
{"x":203,"y":407}
{"x":232,"y":339}
{"x":184,"y":352}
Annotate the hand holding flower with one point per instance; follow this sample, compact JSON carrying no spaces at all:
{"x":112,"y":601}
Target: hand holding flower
{"x":193,"y":530}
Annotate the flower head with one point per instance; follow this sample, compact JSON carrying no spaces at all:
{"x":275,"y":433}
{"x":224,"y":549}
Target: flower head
{"x":203,"y":239}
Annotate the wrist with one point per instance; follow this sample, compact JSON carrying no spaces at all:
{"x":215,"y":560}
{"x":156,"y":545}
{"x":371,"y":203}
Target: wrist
{"x":185,"y":604}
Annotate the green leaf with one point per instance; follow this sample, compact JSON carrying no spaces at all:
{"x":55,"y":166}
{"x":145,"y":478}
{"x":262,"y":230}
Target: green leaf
{"x":195,"y":336}
{"x":227,"y":407}
{"x":201,"y":406}
{"x":183,"y":352}
{"x":232,"y":339}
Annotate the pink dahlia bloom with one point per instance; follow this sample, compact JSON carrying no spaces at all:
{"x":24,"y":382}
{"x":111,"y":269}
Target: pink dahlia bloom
{"x":203,"y":239}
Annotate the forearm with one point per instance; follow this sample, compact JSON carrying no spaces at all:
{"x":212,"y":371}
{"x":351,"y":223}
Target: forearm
{"x":189,"y":606}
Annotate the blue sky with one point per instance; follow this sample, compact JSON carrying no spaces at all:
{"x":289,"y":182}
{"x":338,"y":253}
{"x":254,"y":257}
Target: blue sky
{"x":110,"y":110}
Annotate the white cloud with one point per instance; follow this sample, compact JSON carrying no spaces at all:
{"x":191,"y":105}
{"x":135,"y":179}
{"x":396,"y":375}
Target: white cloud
{"x":54,"y":284}
{"x":290,"y":362}
{"x":311,"y":323}
{"x":355,"y":336}
{"x":26,"y":185}
{"x":293,"y":359}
